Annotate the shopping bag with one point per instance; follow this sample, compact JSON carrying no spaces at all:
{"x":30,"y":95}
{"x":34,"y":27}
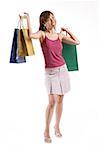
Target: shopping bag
{"x":22,"y":49}
{"x":25,"y":42}
{"x":69,"y":53}
{"x":14,"y":57}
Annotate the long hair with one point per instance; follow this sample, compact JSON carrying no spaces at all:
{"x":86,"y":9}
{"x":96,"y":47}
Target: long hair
{"x":43,"y":18}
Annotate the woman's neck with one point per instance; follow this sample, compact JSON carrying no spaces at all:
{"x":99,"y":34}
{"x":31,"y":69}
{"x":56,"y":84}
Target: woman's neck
{"x":51,"y":31}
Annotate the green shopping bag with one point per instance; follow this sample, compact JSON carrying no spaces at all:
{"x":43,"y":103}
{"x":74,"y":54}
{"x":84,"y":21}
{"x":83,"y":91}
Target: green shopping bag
{"x":69,"y":53}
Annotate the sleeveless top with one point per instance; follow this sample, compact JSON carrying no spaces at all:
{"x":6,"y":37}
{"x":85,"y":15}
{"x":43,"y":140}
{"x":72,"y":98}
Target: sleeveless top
{"x":52,"y":52}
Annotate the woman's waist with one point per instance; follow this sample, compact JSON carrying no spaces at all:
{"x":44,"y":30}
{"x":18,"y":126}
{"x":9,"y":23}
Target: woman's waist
{"x":56,"y":69}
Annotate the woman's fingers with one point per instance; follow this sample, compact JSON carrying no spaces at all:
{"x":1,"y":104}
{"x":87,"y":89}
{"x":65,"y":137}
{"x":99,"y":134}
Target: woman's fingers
{"x":63,"y":29}
{"x":24,"y":15}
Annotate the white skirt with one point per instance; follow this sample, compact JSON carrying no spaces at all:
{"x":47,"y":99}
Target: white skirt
{"x":57,"y":80}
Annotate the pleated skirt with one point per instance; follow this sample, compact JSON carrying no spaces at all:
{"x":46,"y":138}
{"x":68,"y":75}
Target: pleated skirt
{"x":57,"y":80}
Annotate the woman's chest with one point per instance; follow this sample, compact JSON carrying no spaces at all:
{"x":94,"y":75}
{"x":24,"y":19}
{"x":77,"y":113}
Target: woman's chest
{"x":54,"y":45}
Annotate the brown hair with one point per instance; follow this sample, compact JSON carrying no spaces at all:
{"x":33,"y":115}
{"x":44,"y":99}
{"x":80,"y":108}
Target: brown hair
{"x":43,"y":18}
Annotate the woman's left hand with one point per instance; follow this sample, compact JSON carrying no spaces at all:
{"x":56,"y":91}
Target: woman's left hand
{"x":65,"y":29}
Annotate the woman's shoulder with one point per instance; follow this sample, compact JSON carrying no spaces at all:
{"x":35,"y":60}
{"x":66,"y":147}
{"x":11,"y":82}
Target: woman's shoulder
{"x":60,"y":35}
{"x":41,"y":32}
{"x":42,"y":37}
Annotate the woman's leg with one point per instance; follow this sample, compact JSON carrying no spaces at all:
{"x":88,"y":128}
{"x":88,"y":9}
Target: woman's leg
{"x":59,"y":108}
{"x":49,"y":113}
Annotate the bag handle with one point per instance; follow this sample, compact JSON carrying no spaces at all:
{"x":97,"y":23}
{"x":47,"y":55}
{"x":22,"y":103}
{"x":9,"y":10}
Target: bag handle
{"x":20,"y":23}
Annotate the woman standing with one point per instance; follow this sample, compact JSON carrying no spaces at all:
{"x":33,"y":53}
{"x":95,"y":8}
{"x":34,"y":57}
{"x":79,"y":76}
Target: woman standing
{"x":56,"y":73}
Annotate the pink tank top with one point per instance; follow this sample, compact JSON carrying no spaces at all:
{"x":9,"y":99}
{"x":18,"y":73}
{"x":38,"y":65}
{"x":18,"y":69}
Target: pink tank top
{"x":52,"y":51}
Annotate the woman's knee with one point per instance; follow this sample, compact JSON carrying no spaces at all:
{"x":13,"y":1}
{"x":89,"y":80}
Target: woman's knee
{"x":51,"y":101}
{"x":51,"y":104}
{"x":60,"y":99}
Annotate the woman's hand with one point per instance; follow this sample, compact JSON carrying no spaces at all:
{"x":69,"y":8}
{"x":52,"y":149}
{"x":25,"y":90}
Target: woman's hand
{"x":24,"y":15}
{"x":70,"y":40}
{"x":65,"y":29}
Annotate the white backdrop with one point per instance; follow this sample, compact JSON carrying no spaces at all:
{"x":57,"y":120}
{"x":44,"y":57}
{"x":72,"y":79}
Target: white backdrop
{"x":23,"y":97}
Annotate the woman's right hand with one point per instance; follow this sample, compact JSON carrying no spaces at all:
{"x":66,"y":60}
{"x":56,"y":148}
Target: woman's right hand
{"x":24,"y":15}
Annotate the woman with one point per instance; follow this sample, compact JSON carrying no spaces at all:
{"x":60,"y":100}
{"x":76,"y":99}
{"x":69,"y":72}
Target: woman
{"x":56,"y":74}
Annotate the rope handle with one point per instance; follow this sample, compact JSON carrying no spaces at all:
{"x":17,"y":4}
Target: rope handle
{"x":20,"y":23}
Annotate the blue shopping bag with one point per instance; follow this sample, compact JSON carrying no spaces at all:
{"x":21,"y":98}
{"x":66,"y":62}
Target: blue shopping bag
{"x":14,"y":57}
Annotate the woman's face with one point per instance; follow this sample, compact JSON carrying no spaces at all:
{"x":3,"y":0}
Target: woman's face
{"x":51,"y":22}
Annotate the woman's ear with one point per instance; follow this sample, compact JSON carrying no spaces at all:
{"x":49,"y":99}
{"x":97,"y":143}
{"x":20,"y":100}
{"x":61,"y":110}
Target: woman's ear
{"x":44,"y":26}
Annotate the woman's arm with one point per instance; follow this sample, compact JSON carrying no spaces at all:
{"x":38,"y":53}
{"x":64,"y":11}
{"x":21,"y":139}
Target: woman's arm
{"x":69,"y":40}
{"x":36,"y":35}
